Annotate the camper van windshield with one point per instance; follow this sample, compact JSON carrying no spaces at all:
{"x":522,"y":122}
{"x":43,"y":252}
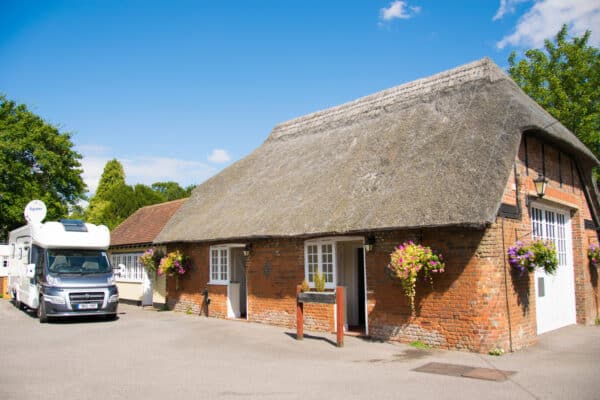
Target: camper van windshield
{"x":63,"y":261}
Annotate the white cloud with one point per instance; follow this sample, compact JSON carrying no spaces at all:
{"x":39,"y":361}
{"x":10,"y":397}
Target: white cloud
{"x":506,"y":7}
{"x":546,"y":17}
{"x":219,"y":156}
{"x":146,"y":170}
{"x":398,"y":10}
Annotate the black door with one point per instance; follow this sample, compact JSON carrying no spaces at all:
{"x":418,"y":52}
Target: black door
{"x":360,"y":262}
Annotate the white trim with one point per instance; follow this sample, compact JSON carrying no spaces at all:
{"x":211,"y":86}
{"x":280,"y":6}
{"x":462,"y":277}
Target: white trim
{"x":130,"y":270}
{"x":319,"y":244}
{"x":557,"y":306}
{"x":219,"y":281}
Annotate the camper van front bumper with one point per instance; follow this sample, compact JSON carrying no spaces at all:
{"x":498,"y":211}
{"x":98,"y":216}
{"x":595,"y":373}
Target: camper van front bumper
{"x":62,"y":302}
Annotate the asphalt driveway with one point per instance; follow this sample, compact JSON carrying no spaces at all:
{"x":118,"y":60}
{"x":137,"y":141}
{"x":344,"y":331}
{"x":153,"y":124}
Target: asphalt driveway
{"x":165,"y":355}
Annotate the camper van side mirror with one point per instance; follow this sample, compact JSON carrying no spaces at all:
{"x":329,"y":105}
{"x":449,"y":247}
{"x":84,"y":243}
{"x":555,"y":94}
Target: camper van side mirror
{"x":30,"y":270}
{"x":119,"y":270}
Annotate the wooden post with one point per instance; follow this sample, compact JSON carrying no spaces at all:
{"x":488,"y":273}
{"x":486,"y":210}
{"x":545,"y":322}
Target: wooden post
{"x":339,"y":301}
{"x":299,"y":315}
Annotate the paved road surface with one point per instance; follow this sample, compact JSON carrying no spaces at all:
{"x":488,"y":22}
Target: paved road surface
{"x":164,"y":355}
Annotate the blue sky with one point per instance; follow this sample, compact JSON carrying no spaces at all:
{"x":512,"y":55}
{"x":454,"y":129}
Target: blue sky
{"x":178,"y":90}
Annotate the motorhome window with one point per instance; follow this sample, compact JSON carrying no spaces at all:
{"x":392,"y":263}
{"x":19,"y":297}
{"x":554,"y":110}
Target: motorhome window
{"x":69,"y":261}
{"x":37,"y":257}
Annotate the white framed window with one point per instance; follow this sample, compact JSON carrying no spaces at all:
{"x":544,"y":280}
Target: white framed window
{"x":133,"y":271}
{"x":551,"y":225}
{"x":320,"y":257}
{"x":219,"y":265}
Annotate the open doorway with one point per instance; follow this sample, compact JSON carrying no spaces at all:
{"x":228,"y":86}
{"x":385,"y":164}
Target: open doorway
{"x":351,"y":275}
{"x":237,"y":290}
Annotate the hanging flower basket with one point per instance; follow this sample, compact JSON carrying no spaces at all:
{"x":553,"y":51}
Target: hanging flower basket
{"x":151,"y":259}
{"x":594,"y":254}
{"x":408,"y":262}
{"x":539,"y":254}
{"x":174,"y":264}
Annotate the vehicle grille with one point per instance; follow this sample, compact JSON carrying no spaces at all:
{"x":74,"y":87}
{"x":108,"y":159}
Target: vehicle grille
{"x":86,"y":297}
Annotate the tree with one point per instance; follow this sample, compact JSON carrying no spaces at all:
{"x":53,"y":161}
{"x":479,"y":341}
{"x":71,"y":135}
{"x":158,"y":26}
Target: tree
{"x":170,"y":190}
{"x":98,"y":211}
{"x":565,"y":80}
{"x":145,"y":196}
{"x":37,"y":161}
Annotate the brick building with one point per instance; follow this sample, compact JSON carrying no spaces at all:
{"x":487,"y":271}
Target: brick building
{"x":447,"y":161}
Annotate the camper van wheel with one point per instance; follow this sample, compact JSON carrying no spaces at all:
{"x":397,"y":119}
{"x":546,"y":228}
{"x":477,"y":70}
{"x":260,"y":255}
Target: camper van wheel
{"x":41,"y":311}
{"x":17,"y":301}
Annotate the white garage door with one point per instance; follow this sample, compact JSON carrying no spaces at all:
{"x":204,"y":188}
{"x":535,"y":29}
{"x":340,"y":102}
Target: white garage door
{"x":554,"y":294}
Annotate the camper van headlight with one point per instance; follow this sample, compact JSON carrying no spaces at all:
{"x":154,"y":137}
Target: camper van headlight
{"x":54,"y":299}
{"x":53,"y":280}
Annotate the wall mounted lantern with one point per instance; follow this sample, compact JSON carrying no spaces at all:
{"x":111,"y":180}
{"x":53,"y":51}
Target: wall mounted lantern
{"x":247,"y":250}
{"x":540,"y":185}
{"x":369,"y":243}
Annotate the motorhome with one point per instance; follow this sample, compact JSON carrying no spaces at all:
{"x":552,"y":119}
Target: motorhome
{"x":61,"y":268}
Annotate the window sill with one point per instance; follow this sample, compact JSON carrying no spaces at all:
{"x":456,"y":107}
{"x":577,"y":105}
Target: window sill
{"x":219,"y":283}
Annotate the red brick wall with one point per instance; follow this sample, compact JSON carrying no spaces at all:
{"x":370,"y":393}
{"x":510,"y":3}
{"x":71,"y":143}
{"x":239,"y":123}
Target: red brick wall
{"x":478,"y":303}
{"x":274,"y":269}
{"x":565,"y":188}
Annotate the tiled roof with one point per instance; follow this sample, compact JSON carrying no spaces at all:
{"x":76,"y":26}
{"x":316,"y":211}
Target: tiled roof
{"x":144,"y":224}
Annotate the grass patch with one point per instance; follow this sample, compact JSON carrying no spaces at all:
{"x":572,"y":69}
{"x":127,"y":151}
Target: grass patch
{"x":417,"y":344}
{"x":597,"y":319}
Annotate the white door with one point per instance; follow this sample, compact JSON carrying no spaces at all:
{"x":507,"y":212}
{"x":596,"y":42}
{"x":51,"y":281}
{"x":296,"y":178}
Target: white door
{"x":554,"y":294}
{"x":146,"y":288}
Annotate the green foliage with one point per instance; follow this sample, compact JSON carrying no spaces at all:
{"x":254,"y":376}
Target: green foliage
{"x":417,"y":344}
{"x":565,"y":80}
{"x":145,"y":196}
{"x":319,"y":282}
{"x":113,"y":175}
{"x":37,"y":161}
{"x":115,"y":201}
{"x":496,"y":351}
{"x":171,"y":190}
{"x":408,"y":261}
{"x":539,"y":254}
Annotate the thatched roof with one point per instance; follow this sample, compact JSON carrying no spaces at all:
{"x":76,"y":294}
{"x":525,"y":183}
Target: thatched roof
{"x":434,"y":152}
{"x":143,"y":225}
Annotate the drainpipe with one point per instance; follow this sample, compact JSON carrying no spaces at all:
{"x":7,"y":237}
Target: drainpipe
{"x":510,"y":340}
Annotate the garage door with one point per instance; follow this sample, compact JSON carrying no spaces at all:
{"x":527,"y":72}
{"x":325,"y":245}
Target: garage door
{"x":554,"y":294}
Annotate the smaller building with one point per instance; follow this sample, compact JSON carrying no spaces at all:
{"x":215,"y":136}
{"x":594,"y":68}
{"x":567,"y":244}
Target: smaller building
{"x":128,"y":242}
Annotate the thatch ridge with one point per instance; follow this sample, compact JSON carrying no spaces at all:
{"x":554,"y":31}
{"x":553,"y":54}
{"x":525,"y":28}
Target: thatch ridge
{"x":434,"y":152}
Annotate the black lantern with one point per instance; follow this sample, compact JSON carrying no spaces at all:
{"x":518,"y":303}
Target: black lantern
{"x":247,"y":250}
{"x":369,"y":243}
{"x":540,"y":185}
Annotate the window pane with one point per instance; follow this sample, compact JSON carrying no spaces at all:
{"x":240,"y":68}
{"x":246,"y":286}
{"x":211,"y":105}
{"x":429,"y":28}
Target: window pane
{"x":327,"y":262}
{"x":313,"y":262}
{"x":224,"y":264}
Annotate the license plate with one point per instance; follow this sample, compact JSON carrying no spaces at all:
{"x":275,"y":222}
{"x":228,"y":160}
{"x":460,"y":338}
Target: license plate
{"x":88,"y":306}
